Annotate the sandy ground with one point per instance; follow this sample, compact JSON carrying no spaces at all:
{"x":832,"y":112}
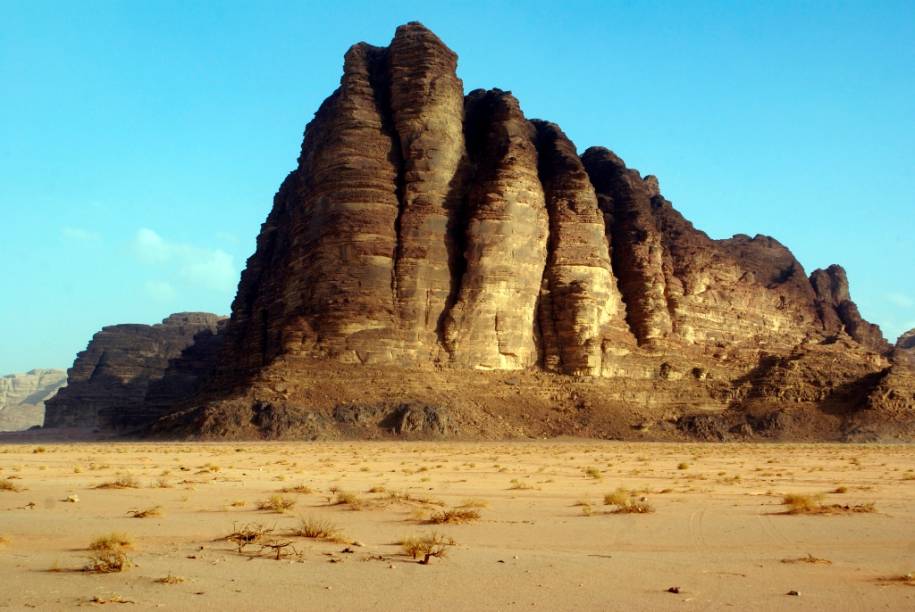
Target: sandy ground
{"x":718,"y":531}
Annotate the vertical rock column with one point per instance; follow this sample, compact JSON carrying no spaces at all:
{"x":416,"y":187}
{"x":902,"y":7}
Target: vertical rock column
{"x":492,"y":324}
{"x":427,"y":106}
{"x":580,"y":305}
{"x":337,"y":287}
{"x":638,"y":250}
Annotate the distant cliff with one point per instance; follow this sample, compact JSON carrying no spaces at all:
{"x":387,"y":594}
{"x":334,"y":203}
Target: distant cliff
{"x":109,"y":381}
{"x":22,"y":397}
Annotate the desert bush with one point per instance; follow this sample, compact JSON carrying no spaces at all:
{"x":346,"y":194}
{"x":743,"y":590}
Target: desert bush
{"x":9,"y":485}
{"x":170,"y":579}
{"x":593,"y":472}
{"x":302,"y":488}
{"x":627,"y":503}
{"x":247,"y":534}
{"x":123,"y":481}
{"x":276,"y":503}
{"x":318,"y":529}
{"x":426,"y":547}
{"x":108,"y":554}
{"x":454,"y":516}
{"x":154,"y":511}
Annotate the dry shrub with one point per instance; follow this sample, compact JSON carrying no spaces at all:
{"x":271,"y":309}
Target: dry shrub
{"x":474,"y":503}
{"x":454,"y":516}
{"x":108,"y":554}
{"x":377,"y":489}
{"x":124,"y":481}
{"x":318,"y":529}
{"x":812,"y":504}
{"x":426,"y":547}
{"x":351,"y":500}
{"x":627,"y":503}
{"x":403,"y":497}
{"x":593,"y":472}
{"x":276,"y":503}
{"x":808,"y":558}
{"x":154,"y":511}
{"x":302,"y":488}
{"x":9,"y":485}
{"x":517,"y":485}
{"x":247,"y":534}
{"x":114,"y":539}
{"x":170,"y":579}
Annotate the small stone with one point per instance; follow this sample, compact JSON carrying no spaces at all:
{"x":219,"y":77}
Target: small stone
{"x":794,"y":593}
{"x":673,"y":589}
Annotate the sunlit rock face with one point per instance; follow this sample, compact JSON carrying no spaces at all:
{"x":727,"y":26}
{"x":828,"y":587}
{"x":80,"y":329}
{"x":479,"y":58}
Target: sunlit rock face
{"x":438,"y":263}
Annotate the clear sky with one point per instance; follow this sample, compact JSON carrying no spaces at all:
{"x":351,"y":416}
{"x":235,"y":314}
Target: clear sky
{"x":141,"y":142}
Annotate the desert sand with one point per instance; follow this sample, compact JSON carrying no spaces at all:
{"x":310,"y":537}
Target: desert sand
{"x":536,"y":533}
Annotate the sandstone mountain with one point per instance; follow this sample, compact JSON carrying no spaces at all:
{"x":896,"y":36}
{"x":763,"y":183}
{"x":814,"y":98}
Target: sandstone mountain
{"x":22,"y":397}
{"x":439,"y":264}
{"x":128,"y":372}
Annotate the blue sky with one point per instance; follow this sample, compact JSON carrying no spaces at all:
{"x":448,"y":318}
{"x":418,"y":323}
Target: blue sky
{"x":141,"y":143}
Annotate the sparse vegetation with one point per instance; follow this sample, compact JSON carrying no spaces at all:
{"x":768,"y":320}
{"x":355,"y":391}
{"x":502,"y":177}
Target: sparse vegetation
{"x":626,"y":502}
{"x":8,"y":485}
{"x":108,"y":554}
{"x":247,"y":534}
{"x":799,"y":503}
{"x":304,"y":489}
{"x":593,"y":472}
{"x":154,"y":511}
{"x":808,"y":558}
{"x":454,"y":516}
{"x":124,"y":481}
{"x":426,"y":547}
{"x":319,"y":529}
{"x":276,"y":503}
{"x":170,"y":579}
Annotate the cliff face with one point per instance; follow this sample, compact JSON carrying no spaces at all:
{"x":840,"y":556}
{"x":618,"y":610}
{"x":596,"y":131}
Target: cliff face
{"x":423,"y":227}
{"x":108,"y":383}
{"x":439,"y":264}
{"x":22,"y":397}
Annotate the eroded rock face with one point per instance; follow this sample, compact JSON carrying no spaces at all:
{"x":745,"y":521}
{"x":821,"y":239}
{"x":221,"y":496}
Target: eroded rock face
{"x":109,"y":380}
{"x":439,"y":264}
{"x":22,"y":397}
{"x":839,"y":313}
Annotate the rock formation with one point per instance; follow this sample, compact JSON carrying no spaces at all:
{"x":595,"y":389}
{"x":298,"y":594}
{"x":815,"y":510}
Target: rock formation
{"x":108,"y":384}
{"x":22,"y":397}
{"x":439,"y":264}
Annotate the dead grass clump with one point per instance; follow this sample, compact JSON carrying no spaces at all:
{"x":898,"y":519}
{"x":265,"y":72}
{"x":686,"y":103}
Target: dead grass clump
{"x":474,"y":502}
{"x":403,"y":497}
{"x":377,"y":489}
{"x":593,"y":472}
{"x":108,"y":554}
{"x":455,"y":516}
{"x":626,"y":502}
{"x":426,"y":547}
{"x":813,"y":504}
{"x":808,"y":558}
{"x":517,"y":485}
{"x":154,"y":511}
{"x":304,"y":489}
{"x":351,"y":500}
{"x":114,"y":539}
{"x":247,"y":534}
{"x":170,"y":579}
{"x":319,"y":529}
{"x":906,"y":579}
{"x":9,"y":485}
{"x":276,"y":503}
{"x":124,"y":481}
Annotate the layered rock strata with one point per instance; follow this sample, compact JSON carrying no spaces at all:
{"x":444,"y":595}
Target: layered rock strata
{"x":22,"y":397}
{"x":439,"y":264}
{"x":111,"y":378}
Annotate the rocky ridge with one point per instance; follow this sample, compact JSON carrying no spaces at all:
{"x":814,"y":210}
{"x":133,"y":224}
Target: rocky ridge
{"x":22,"y":397}
{"x":438,"y":264}
{"x":128,"y":371}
